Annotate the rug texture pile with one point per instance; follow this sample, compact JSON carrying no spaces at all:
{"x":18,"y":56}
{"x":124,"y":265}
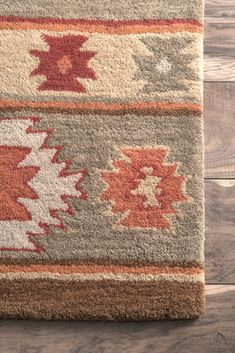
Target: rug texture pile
{"x":101,"y":198}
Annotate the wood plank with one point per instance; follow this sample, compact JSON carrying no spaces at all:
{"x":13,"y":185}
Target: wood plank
{"x":219,"y":40}
{"x":219,"y":120}
{"x":220,"y":227}
{"x":213,"y":333}
{"x":221,"y":68}
{"x":217,"y":9}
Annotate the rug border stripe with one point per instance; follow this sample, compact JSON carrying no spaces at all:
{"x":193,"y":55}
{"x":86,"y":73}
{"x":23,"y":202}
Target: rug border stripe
{"x":86,"y":269}
{"x":105,"y":299}
{"x":111,"y":107}
{"x":103,"y":276}
{"x":120,"y":27}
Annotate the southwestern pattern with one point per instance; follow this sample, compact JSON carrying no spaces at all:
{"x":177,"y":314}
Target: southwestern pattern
{"x":101,"y":212}
{"x":151,"y":187}
{"x":63,"y":64}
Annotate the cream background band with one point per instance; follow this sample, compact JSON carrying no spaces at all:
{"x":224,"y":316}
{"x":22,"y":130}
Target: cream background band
{"x":118,"y":75}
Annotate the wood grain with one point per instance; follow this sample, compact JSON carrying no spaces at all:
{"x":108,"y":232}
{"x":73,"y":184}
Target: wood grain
{"x":213,"y":333}
{"x":219,"y":68}
{"x":219,"y":238}
{"x":219,"y":9}
{"x":219,"y":40}
{"x":219,"y":120}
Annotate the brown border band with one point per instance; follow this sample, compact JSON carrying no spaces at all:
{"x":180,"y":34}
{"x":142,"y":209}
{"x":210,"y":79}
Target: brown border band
{"x":106,"y":299}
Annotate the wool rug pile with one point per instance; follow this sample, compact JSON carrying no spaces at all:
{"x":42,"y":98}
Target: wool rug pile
{"x":101,"y":197}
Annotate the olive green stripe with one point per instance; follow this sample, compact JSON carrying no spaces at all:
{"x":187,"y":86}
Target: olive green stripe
{"x":105,"y":9}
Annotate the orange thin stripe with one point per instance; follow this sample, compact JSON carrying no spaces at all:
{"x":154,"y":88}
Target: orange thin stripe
{"x":103,"y":106}
{"x":102,"y":28}
{"x":67,"y":269}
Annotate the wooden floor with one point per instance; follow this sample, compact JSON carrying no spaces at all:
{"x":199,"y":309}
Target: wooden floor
{"x":215,"y":331}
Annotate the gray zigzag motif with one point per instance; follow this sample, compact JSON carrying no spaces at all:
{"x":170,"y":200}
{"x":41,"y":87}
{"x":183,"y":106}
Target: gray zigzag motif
{"x":168,"y":67}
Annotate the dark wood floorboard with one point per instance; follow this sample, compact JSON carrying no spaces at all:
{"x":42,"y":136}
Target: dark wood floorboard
{"x":219,"y":237}
{"x":216,"y":10}
{"x":219,"y":121}
{"x":219,"y":40}
{"x":212,"y":333}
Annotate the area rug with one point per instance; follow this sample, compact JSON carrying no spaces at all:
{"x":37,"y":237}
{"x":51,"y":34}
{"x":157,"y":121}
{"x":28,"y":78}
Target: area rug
{"x":101,"y":160}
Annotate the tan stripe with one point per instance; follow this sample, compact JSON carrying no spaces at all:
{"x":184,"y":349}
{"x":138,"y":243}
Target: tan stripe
{"x":102,"y":276}
{"x":90,"y":28}
{"x":193,"y":107}
{"x":86,"y":269}
{"x":47,"y":299}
